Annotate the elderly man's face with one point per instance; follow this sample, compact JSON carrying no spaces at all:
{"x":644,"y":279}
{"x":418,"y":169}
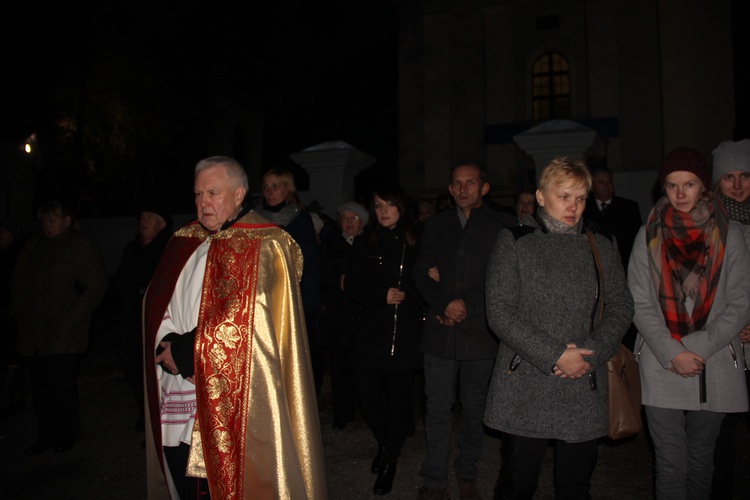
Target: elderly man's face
{"x":216,"y":199}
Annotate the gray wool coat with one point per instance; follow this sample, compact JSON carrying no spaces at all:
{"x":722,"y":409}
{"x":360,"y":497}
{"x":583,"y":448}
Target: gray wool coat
{"x":542,"y":295}
{"x":655,"y":348}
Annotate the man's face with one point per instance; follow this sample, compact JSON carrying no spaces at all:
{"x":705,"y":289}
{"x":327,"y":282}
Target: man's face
{"x":54,"y":225}
{"x":216,"y":199}
{"x":467,"y":188}
{"x":603,"y":187}
{"x":150,"y":224}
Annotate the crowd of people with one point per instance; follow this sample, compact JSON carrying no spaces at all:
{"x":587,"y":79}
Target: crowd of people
{"x":441,"y":312}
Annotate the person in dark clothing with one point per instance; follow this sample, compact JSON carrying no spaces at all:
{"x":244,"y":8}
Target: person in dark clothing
{"x":386,"y":355}
{"x":58,"y":281}
{"x":459,"y":349}
{"x":139,"y":260}
{"x":542,"y":293}
{"x":13,"y":393}
{"x":282,"y":206}
{"x":338,"y":313}
{"x":525,"y":203}
{"x":621,"y":217}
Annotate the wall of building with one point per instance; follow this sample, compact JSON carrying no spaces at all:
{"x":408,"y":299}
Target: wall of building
{"x":649,"y":75}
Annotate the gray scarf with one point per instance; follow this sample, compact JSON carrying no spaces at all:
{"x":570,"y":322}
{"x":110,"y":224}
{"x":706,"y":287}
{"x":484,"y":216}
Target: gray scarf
{"x":556,"y":226}
{"x":282,"y":217}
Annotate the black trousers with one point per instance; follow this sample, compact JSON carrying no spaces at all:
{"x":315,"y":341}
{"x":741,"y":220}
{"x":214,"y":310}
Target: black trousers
{"x":189,"y":488}
{"x":522,"y":462}
{"x":342,"y":384}
{"x":54,"y":388}
{"x":385,"y":400}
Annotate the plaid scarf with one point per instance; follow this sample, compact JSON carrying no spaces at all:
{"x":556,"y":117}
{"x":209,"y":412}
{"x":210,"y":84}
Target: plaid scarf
{"x":687,"y":252}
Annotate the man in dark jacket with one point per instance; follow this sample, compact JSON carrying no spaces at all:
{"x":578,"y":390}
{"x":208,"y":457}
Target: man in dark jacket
{"x":621,"y":217}
{"x":139,"y":260}
{"x":450,"y":274}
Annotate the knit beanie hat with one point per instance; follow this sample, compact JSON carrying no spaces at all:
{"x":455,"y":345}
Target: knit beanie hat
{"x":155,"y":207}
{"x":729,"y":156}
{"x":685,"y":160}
{"x":358,"y":209}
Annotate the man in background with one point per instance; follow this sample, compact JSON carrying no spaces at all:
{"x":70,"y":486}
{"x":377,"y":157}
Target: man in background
{"x":459,"y":349}
{"x":619,"y":216}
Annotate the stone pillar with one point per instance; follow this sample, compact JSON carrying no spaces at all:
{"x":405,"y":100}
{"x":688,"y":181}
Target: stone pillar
{"x":556,"y":138}
{"x":332,"y":167}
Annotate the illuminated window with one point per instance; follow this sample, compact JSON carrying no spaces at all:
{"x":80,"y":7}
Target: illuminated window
{"x":550,"y":87}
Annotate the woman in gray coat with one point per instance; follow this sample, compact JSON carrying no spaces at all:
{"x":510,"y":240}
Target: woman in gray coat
{"x":731,"y":177}
{"x":550,"y":380}
{"x":688,"y":277}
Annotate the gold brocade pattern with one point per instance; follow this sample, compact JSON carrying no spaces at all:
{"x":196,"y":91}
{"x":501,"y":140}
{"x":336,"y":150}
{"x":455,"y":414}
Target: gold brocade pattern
{"x":257,"y":432}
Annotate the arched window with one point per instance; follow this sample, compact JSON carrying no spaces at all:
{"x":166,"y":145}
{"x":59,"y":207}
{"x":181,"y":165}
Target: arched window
{"x":550,"y":87}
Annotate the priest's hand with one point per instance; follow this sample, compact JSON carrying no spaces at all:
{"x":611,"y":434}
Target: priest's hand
{"x":164,"y":358}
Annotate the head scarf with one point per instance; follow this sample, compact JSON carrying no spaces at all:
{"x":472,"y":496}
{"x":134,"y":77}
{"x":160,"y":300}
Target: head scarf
{"x":687,"y":252}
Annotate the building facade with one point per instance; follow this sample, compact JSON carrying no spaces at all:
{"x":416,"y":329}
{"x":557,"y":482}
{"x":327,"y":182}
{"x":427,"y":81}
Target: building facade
{"x":646,"y":75}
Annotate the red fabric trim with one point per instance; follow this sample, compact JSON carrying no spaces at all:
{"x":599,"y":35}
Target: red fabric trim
{"x":160,"y":290}
{"x":223,"y":356}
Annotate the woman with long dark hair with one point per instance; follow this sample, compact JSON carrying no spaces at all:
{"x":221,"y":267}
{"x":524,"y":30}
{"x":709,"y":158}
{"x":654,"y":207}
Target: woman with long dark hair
{"x":386,"y":356}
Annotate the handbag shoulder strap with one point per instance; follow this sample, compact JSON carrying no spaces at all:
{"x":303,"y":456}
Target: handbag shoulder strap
{"x":599,"y":268}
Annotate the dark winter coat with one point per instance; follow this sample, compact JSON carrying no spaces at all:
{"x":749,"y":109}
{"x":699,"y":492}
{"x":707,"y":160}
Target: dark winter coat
{"x":338,"y":312}
{"x":541,"y":296}
{"x":622,"y":219}
{"x":299,"y":224}
{"x":133,"y":276}
{"x":371,"y":272}
{"x":57,"y":284}
{"x":461,"y":256}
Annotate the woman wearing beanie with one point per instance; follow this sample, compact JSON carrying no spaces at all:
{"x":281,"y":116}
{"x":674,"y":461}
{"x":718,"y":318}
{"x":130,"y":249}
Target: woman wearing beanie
{"x":687,"y":276}
{"x":731,"y":178}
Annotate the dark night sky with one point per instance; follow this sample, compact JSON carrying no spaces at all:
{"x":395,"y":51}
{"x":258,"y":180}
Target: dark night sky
{"x":318,"y":71}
